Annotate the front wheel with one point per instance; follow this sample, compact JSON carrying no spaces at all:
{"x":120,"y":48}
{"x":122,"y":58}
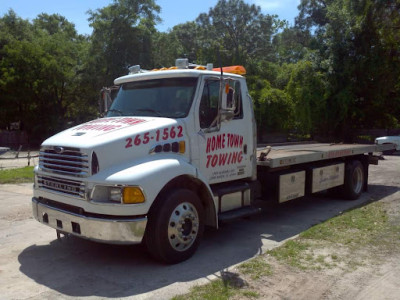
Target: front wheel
{"x":175,"y":226}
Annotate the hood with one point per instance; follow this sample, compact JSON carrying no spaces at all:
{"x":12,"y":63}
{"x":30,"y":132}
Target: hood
{"x":106,"y":130}
{"x":118,"y":140}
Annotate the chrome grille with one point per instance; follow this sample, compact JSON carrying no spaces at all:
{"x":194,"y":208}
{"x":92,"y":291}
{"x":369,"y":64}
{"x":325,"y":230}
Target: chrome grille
{"x":64,"y":160}
{"x":61,"y":185}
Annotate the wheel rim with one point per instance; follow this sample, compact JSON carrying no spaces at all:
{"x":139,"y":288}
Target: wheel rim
{"x":183,"y":226}
{"x":358,"y":180}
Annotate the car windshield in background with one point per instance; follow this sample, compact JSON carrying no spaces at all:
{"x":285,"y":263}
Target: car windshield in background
{"x":168,"y":97}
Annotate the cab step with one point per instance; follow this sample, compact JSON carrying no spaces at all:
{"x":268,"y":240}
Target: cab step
{"x":238,"y":213}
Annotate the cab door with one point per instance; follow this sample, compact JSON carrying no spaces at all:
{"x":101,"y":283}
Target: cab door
{"x":225,"y":131}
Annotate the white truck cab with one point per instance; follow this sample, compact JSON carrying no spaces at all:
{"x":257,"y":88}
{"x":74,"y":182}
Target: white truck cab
{"x":175,"y":152}
{"x":167,"y":137}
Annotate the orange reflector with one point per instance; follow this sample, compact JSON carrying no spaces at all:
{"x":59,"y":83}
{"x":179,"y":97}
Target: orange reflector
{"x":226,"y":88}
{"x":240,"y":70}
{"x":182,"y":147}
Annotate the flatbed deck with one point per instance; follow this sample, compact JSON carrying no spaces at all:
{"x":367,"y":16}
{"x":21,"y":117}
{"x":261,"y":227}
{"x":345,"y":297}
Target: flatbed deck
{"x":283,"y":156}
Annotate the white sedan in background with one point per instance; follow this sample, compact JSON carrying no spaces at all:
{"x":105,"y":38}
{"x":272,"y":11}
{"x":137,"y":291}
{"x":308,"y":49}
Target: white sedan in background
{"x":3,"y":150}
{"x":389,"y":140}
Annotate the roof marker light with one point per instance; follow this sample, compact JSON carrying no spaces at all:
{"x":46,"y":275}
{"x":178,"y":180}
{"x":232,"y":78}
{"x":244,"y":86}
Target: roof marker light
{"x":182,"y":63}
{"x":134,"y":69}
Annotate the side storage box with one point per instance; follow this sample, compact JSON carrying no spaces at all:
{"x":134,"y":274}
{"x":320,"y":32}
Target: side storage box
{"x":327,"y":177}
{"x":292,"y":186}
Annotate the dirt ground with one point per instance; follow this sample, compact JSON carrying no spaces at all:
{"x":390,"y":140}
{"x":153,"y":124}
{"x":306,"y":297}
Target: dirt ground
{"x":35,"y":265}
{"x":376,"y":277}
{"x":373,"y":281}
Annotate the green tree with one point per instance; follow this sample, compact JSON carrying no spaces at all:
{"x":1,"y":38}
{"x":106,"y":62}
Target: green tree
{"x":292,"y":44}
{"x":270,"y":104}
{"x":274,"y":104}
{"x":12,"y":29}
{"x":122,"y":36}
{"x":307,"y":89}
{"x":359,"y":51}
{"x":239,"y":28}
{"x":39,"y":78}
{"x":183,"y":41}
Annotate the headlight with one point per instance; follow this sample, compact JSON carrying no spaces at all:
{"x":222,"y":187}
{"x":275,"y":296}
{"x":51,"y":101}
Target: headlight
{"x":117,"y":194}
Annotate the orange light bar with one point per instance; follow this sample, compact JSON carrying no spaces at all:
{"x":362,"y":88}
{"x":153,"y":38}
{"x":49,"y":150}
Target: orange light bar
{"x":200,"y":68}
{"x":240,"y":70}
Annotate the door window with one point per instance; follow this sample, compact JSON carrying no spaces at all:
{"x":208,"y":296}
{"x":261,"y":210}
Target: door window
{"x":209,"y":104}
{"x":234,"y":98}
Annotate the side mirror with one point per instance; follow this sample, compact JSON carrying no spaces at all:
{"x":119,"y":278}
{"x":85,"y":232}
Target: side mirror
{"x":107,"y":95}
{"x":228,"y":105}
{"x":105,"y":100}
{"x":227,"y":115}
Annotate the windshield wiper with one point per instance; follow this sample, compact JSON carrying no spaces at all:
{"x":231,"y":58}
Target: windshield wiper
{"x":158,"y":114}
{"x":116,"y":111}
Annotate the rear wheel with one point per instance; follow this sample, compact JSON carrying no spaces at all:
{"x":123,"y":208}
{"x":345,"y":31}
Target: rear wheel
{"x":354,"y":180}
{"x":175,"y":226}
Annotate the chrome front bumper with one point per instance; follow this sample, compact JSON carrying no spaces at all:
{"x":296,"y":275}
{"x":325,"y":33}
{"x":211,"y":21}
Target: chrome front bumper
{"x":102,"y":229}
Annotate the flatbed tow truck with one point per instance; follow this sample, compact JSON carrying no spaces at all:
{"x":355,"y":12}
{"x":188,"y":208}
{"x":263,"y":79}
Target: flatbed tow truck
{"x":176,"y":152}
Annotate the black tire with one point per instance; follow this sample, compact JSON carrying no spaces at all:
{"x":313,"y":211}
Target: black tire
{"x":354,"y":180}
{"x":175,"y":226}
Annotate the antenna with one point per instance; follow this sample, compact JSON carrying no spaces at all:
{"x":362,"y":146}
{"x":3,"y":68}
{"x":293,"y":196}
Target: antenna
{"x":220,"y":62}
{"x":221,"y":87}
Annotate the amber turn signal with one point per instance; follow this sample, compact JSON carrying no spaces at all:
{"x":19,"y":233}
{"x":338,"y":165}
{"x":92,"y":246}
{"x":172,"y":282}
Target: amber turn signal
{"x":132,"y":195}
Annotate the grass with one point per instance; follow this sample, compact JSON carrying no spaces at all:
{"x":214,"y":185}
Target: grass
{"x":367,"y":228}
{"x":354,"y":229}
{"x":215,"y":290}
{"x":20,"y":175}
{"x":344,"y":241}
{"x":294,"y":253}
{"x":256,"y":268}
{"x":220,"y":289}
{"x":250,"y":294}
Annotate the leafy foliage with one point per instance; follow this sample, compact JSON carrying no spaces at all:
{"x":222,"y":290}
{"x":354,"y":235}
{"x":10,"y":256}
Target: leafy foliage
{"x":39,"y":73}
{"x":306,"y":87}
{"x":358,"y":49}
{"x":335,"y":71}
{"x":122,"y":37}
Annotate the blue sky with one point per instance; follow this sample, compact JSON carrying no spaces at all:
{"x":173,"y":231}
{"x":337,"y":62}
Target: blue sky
{"x":173,"y":12}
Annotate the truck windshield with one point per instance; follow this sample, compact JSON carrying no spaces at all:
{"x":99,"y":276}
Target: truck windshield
{"x":168,"y":97}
